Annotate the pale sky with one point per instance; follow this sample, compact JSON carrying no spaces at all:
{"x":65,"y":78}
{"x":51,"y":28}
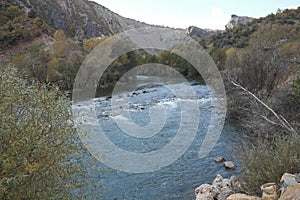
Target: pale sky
{"x":212,"y":14}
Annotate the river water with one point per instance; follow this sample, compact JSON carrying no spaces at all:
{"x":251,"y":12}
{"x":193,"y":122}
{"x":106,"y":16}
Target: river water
{"x":178,"y":180}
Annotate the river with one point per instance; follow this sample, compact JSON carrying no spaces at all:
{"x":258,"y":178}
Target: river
{"x":178,"y":180}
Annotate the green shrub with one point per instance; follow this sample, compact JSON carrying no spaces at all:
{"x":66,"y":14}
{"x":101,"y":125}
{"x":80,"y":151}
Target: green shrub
{"x":269,"y":159}
{"x":37,"y":141}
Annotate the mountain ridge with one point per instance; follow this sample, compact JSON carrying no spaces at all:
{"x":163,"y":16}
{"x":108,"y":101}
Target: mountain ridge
{"x":86,"y":19}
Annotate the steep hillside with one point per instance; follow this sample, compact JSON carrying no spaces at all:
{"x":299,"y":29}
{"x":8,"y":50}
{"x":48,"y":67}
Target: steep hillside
{"x":84,"y":17}
{"x":79,"y":18}
{"x":261,"y":56}
{"x":239,"y":36}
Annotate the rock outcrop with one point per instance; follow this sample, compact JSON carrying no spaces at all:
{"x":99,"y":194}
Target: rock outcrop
{"x":87,"y":19}
{"x":237,"y":20}
{"x":80,"y":17}
{"x":199,"y":33}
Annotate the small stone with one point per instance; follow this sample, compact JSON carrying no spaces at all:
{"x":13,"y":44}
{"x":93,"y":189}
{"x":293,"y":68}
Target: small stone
{"x":220,"y":160}
{"x":229,"y":165}
{"x":242,"y":197}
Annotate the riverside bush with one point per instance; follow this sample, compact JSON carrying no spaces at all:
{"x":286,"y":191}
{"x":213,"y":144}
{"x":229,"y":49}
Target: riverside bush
{"x":269,"y":159}
{"x":39,"y":150}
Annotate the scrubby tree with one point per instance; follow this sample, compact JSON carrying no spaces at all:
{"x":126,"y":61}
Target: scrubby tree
{"x":39,"y":150}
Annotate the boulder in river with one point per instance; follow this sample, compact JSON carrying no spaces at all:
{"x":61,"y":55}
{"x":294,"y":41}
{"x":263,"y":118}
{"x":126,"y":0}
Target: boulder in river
{"x":220,"y":160}
{"x":229,"y":165}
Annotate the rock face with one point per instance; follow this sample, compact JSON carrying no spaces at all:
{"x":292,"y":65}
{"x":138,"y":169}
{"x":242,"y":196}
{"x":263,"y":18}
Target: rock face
{"x":87,"y":19}
{"x":198,"y":33}
{"x":80,"y":17}
{"x":237,"y":20}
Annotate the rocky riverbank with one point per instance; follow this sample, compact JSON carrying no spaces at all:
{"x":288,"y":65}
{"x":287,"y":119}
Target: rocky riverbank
{"x":232,"y":189}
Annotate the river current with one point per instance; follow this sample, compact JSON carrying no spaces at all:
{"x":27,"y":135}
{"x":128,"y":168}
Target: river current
{"x":178,"y":180}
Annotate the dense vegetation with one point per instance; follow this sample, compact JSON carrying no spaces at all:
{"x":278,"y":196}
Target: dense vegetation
{"x":261,"y":59}
{"x":18,"y":26}
{"x":267,"y":66}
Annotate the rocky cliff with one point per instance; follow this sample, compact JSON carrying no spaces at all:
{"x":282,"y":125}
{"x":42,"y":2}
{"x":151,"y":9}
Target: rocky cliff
{"x":87,"y":19}
{"x":80,"y":18}
{"x":198,"y":33}
{"x":237,"y":20}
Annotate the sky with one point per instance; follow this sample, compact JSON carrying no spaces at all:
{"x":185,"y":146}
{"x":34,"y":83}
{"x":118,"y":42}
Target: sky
{"x":212,"y":14}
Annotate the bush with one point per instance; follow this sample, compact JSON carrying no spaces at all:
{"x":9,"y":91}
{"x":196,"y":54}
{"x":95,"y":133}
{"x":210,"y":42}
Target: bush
{"x":38,"y":143}
{"x":269,"y":160}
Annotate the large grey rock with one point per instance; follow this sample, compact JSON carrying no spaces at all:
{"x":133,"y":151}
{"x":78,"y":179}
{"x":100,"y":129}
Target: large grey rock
{"x":288,"y":180}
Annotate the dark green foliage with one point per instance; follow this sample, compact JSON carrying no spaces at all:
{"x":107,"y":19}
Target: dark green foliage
{"x":296,"y":90}
{"x":136,"y":58}
{"x":294,"y":101}
{"x":219,"y":57}
{"x":16,"y":26}
{"x":32,"y":13}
